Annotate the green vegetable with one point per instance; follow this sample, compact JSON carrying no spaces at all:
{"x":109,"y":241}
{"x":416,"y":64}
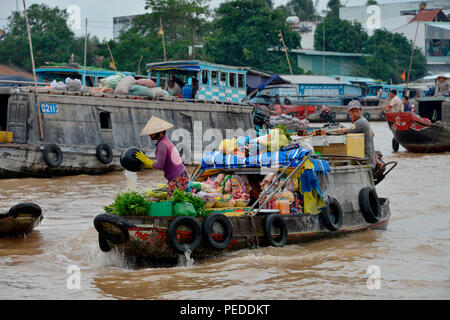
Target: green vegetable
{"x":129,"y":203}
{"x":181,"y":196}
{"x":284,"y":130}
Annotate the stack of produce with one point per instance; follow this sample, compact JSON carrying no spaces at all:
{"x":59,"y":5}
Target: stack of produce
{"x":291,"y":123}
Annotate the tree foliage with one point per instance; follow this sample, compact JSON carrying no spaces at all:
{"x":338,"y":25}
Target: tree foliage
{"x":340,"y":36}
{"x":246,"y":34}
{"x":303,"y":9}
{"x":390,"y":54}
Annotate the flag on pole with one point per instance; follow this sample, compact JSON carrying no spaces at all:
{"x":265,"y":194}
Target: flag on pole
{"x":403,"y":75}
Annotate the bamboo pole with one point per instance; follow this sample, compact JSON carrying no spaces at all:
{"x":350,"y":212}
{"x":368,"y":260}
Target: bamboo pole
{"x":112,"y":58}
{"x":85,"y":50}
{"x":34,"y":69}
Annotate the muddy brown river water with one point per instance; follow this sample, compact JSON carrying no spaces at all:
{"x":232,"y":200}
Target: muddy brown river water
{"x":411,"y":257}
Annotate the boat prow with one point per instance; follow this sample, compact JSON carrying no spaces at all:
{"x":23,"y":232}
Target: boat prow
{"x":21,"y":219}
{"x":426,"y":132}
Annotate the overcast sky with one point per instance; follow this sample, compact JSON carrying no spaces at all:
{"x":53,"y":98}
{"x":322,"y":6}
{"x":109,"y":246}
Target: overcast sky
{"x":100,"y":13}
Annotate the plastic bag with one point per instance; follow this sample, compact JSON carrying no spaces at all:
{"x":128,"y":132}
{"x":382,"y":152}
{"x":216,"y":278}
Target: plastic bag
{"x":58,"y":85}
{"x":184,"y":209}
{"x":228,"y":146}
{"x":73,"y":84}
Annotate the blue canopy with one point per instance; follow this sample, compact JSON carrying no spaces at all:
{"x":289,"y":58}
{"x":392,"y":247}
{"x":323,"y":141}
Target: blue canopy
{"x":274,"y":78}
{"x":293,"y":157}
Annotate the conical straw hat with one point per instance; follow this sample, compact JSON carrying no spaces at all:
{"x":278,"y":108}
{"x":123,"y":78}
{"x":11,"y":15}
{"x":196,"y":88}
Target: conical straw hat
{"x":155,"y":125}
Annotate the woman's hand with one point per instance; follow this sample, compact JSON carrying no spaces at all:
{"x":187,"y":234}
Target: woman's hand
{"x":148,"y":163}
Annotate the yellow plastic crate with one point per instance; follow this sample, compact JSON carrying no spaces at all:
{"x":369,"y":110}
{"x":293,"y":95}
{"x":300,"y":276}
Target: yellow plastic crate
{"x":6,"y":136}
{"x":355,"y":145}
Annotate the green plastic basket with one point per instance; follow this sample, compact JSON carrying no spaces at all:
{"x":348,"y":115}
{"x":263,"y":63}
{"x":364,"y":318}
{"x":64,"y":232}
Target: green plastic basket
{"x":161,"y":209}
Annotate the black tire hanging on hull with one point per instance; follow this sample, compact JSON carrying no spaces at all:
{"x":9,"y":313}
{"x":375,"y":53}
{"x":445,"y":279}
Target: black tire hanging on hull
{"x":332,"y":215}
{"x":227,"y":226}
{"x":275,"y":220}
{"x":172,"y":237}
{"x":370,"y":205}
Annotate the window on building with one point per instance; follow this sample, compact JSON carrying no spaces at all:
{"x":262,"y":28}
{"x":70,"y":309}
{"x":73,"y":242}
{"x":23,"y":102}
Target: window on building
{"x":205,"y":77}
{"x":232,"y":80}
{"x":214,"y":78}
{"x":105,"y":120}
{"x":223,"y":79}
{"x":240,"y":80}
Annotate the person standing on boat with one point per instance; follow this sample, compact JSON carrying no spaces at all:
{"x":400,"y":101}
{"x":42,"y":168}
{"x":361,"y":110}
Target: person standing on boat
{"x":167,"y":156}
{"x":394,"y":104}
{"x":442,"y":87}
{"x":173,"y":88}
{"x":407,"y":106}
{"x":361,"y":125}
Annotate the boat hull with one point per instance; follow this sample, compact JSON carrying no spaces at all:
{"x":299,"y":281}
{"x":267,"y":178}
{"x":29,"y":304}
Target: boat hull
{"x":147,"y":243}
{"x":418,"y":134}
{"x":79,"y":125}
{"x":21,"y":225}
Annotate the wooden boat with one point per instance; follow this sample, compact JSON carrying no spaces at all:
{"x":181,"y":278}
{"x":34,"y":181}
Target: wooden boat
{"x":351,"y":200}
{"x":21,"y":219}
{"x":76,"y":132}
{"x":425,"y":132}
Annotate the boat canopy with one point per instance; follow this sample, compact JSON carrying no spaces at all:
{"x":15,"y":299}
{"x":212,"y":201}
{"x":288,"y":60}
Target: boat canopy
{"x":276,"y":159}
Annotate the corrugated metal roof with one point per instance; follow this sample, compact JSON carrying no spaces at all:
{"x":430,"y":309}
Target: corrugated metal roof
{"x":310,"y":79}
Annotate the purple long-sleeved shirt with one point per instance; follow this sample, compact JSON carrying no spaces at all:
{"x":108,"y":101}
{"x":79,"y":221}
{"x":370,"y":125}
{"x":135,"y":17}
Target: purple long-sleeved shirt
{"x":168,"y":159}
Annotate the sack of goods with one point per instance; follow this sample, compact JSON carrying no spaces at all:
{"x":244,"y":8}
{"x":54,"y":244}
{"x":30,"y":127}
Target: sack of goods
{"x":73,"y":84}
{"x":111,"y":81}
{"x":141,"y":91}
{"x":146,"y":82}
{"x":123,"y":86}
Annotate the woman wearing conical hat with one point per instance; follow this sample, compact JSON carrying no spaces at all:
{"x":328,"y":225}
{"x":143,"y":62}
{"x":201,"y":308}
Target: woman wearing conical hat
{"x":167,"y":156}
{"x":442,"y":87}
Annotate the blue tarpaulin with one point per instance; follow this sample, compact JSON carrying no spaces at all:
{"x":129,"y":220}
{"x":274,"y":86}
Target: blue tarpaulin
{"x":274,"y":78}
{"x":293,"y":157}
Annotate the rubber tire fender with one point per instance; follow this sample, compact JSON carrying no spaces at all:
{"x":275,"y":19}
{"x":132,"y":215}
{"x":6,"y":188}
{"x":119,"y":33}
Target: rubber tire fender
{"x":172,"y":237}
{"x":370,"y":205}
{"x":50,"y":148}
{"x":332,"y":215}
{"x":269,"y":221}
{"x":395,"y":145}
{"x":25,"y":207}
{"x":226,"y":224}
{"x":103,"y":243}
{"x":109,"y":153}
{"x":116,"y":221}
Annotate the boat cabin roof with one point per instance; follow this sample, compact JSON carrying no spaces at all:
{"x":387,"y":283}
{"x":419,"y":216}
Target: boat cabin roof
{"x":191,"y":66}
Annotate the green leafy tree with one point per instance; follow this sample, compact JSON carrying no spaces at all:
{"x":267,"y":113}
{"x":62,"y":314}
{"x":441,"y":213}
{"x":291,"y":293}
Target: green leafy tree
{"x":333,"y":6}
{"x":390,"y":54}
{"x":303,"y":9}
{"x":371,"y":3}
{"x":53,"y":41}
{"x":340,"y":36}
{"x":246,"y":34}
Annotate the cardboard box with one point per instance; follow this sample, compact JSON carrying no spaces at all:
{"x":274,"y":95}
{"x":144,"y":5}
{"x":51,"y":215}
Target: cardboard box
{"x":6,"y":137}
{"x":355,"y":145}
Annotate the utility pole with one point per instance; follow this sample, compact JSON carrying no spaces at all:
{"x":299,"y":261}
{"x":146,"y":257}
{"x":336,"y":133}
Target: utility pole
{"x":323,"y":47}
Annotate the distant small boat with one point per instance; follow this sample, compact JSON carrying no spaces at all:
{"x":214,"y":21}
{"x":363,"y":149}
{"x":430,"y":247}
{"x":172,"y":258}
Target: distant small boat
{"x":21,"y":219}
{"x":426,"y":132}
